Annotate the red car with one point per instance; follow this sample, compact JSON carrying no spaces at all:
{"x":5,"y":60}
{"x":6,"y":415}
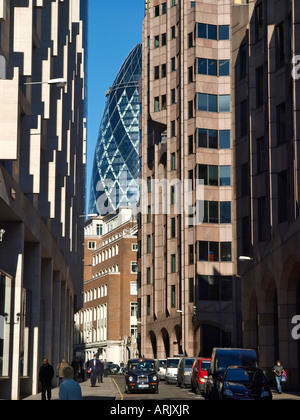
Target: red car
{"x":199,"y":374}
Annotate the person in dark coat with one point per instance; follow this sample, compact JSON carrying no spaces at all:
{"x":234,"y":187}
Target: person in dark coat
{"x":101,"y":371}
{"x":46,"y":375}
{"x":94,"y":369}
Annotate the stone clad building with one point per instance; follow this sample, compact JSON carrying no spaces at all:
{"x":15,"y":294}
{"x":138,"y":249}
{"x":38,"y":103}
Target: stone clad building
{"x":189,"y":292}
{"x":42,"y":181}
{"x":107,"y":323}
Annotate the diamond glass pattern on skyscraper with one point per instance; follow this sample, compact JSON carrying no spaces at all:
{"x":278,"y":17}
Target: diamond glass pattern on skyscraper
{"x":116,"y":163}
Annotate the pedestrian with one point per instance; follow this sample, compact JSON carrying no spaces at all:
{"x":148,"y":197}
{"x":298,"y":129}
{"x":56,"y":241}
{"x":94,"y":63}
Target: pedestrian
{"x":106,"y":367}
{"x":46,"y":375}
{"x":101,"y":371}
{"x":76,"y":366}
{"x":69,"y":390}
{"x":94,"y":370}
{"x":278,"y":371}
{"x":60,"y":368}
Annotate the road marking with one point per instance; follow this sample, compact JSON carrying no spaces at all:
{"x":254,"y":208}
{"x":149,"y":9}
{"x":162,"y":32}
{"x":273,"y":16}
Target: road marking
{"x":121,"y":395}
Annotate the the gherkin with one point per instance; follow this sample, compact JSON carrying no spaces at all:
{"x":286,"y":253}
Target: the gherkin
{"x":114,"y":180}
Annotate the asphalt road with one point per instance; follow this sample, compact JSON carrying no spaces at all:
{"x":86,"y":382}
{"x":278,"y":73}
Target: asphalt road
{"x":166,"y":392}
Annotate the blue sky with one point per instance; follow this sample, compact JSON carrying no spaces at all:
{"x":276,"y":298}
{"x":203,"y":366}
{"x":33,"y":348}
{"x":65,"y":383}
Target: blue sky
{"x":115,"y":27}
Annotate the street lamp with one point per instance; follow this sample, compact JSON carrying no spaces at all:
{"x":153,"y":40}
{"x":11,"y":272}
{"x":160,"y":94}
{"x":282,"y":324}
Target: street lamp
{"x":246,"y":258}
{"x":60,"y":82}
{"x":2,"y":231}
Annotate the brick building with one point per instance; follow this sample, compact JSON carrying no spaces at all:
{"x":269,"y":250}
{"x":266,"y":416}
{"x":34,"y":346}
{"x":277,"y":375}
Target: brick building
{"x":107,"y":323}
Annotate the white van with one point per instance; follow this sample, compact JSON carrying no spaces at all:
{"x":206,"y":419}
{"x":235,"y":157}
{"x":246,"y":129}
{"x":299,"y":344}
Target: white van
{"x":171,"y":371}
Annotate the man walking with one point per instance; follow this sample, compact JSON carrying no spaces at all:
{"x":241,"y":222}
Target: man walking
{"x":46,"y":375}
{"x":94,"y":370}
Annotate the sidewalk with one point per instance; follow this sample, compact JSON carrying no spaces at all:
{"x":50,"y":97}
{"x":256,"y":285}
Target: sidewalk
{"x":102,"y":391}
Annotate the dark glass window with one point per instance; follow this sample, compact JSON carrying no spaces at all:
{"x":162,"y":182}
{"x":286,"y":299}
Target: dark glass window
{"x":225,"y":212}
{"x":223,"y":32}
{"x":224,"y":139}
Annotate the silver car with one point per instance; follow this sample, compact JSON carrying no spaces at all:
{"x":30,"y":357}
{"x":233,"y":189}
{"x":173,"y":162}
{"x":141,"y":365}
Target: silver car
{"x":185,"y":371}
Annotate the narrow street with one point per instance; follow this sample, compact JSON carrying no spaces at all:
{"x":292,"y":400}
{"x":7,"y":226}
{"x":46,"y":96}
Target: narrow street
{"x":166,"y":392}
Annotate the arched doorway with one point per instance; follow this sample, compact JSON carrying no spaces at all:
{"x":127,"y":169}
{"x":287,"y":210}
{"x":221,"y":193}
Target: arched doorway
{"x":153,"y":343}
{"x":166,"y":341}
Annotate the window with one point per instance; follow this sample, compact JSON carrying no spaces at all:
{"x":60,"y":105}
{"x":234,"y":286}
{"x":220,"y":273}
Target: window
{"x":172,"y":194}
{"x":134,"y":247}
{"x":148,"y":304}
{"x":148,"y":275}
{"x":163,"y":40}
{"x":173,"y":32}
{"x":211,"y":212}
{"x":223,"y":32}
{"x":259,"y":86}
{"x":214,"y":251}
{"x":243,"y":61}
{"x":156,"y":11}
{"x":156,"y":104}
{"x":156,"y":41}
{"x":149,"y":214}
{"x":91,"y":244}
{"x":164,"y":8}
{"x":190,"y":40}
{"x":173,"y":161}
{"x":225,"y":212}
{"x":224,"y":139}
{"x":173,"y":296}
{"x":190,"y":109}
{"x":173,"y":128}
{"x":173,"y":263}
{"x":225,"y":176}
{"x":262,"y":155}
{"x":224,"y":103}
{"x":190,"y":74}
{"x":282,"y":197}
{"x":191,"y":290}
{"x":281,"y":123}
{"x":214,"y":32}
{"x":258,"y":22}
{"x":173,"y":96}
{"x":173,"y":227}
{"x":213,"y":139}
{"x":224,"y":68}
{"x":173,"y":64}
{"x":164,"y":102}
{"x":191,"y":144}
{"x":207,"y":251}
{"x":279,"y":45}
{"x":133,"y":288}
{"x":207,"y":173}
{"x":148,"y":244}
{"x":133,"y":267}
{"x":173,"y":3}
{"x":261,"y":218}
{"x":156,"y":72}
{"x":191,"y":254}
{"x":207,"y":102}
{"x":163,"y":71}
{"x":218,"y":288}
{"x":225,"y":248}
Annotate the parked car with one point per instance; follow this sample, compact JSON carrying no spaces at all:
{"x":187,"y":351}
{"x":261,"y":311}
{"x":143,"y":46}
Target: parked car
{"x":141,"y":375}
{"x":171,"y":371}
{"x":244,"y":383}
{"x":184,"y":371}
{"x":221,"y":359}
{"x":199,"y":374}
{"x":161,"y":365}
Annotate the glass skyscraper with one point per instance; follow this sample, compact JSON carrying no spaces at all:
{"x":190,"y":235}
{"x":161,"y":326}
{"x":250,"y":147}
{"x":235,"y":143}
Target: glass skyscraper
{"x":114,"y":180}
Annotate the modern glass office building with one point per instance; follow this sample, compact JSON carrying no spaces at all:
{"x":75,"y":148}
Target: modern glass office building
{"x":114,"y":180}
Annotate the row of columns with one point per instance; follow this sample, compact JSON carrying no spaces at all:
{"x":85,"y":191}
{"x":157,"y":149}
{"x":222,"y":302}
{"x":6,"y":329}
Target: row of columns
{"x":44,"y":301}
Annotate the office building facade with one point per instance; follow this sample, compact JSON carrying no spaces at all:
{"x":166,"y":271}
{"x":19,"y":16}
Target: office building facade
{"x":189,"y":294}
{"x":265,"y":54}
{"x":42,"y":185}
{"x":115,"y":171}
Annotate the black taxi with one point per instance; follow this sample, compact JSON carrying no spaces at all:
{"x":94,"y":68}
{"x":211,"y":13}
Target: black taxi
{"x":141,"y":375}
